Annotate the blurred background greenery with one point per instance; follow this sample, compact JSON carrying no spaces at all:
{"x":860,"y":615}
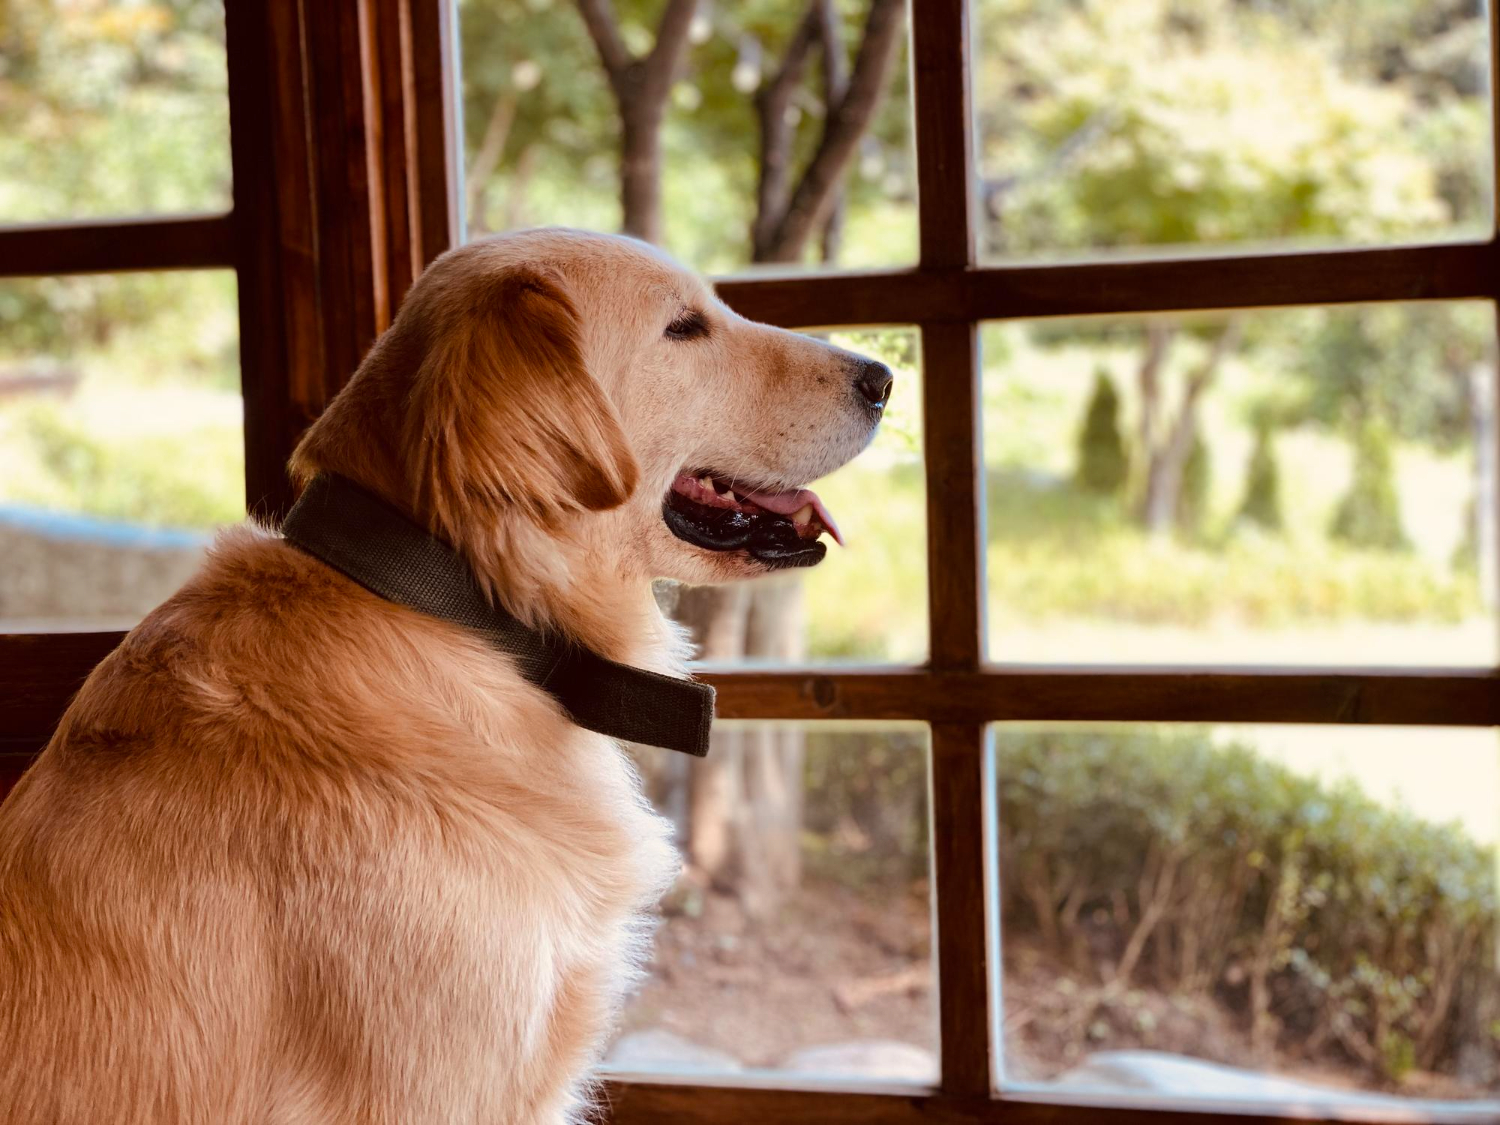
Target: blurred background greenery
{"x":1288,"y":486}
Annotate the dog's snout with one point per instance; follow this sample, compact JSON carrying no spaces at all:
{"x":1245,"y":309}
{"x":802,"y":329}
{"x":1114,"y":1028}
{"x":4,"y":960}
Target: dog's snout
{"x":873,"y":381}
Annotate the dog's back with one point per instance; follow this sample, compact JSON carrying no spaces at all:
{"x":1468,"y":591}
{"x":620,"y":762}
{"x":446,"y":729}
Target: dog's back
{"x":297,"y":854}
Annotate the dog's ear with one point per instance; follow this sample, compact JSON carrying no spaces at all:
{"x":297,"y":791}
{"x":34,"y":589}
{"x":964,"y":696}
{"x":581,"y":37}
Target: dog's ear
{"x":503,"y":413}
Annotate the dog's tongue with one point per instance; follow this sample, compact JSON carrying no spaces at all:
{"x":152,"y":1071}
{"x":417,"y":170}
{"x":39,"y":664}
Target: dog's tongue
{"x":786,"y":503}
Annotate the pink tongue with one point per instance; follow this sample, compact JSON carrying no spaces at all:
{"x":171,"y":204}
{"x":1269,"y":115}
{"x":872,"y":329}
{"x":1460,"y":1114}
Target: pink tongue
{"x":785,"y":503}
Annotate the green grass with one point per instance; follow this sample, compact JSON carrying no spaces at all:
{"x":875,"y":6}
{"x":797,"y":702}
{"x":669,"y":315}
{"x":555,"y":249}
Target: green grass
{"x":1056,"y":553}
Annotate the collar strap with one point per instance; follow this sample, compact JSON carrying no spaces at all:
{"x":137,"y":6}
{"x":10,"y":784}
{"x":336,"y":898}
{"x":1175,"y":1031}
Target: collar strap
{"x":366,"y":539}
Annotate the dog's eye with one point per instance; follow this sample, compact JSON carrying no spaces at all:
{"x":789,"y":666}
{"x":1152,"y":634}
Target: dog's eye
{"x":689,"y":325}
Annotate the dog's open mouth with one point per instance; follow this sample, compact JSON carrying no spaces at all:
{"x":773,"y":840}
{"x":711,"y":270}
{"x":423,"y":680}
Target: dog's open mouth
{"x":777,"y":528}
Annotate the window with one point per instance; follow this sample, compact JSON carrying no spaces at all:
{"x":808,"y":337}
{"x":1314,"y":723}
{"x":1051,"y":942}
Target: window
{"x":1107,"y":252}
{"x":120,"y":410}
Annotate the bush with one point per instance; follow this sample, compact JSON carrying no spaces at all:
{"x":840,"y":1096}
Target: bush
{"x":1369,"y":515}
{"x":1103,"y":465}
{"x":1262,"y":503}
{"x":191,"y":479}
{"x":1322,"y":919}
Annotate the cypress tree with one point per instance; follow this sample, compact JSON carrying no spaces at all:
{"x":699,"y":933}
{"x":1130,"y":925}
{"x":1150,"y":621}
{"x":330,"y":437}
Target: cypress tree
{"x":1369,"y":515}
{"x":1192,"y":496}
{"x":1103,"y":464}
{"x":1262,"y":503}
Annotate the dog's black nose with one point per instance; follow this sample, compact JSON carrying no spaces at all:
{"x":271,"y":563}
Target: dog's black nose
{"x":874,"y":383}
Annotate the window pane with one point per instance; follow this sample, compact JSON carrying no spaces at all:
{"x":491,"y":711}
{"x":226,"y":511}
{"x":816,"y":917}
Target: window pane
{"x":799,"y":937}
{"x":865,"y":602}
{"x":1295,"y":915}
{"x":110,"y":109}
{"x":1129,"y":126}
{"x":544,"y":141}
{"x":120,"y":442}
{"x":1303,"y":486}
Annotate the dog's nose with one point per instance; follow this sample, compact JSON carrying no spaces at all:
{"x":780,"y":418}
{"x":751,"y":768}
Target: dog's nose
{"x":874,"y":383}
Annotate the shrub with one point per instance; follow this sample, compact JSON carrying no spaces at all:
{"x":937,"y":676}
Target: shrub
{"x":1335,"y":924}
{"x":1103,"y":464}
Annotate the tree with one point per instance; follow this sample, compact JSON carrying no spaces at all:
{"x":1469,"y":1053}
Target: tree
{"x":1167,"y":441}
{"x":641,"y":84}
{"x":1103,"y":464}
{"x":1420,"y":373}
{"x":1369,"y":515}
{"x":1110,"y":125}
{"x":1262,"y":503}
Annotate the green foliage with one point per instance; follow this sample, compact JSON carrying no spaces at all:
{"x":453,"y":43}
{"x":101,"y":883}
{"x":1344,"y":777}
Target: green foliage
{"x":1369,"y":516}
{"x":1123,"y":123}
{"x":138,"y":330}
{"x":1406,"y":366}
{"x":1356,"y":925}
{"x":1103,"y":465}
{"x":112,"y":109}
{"x":193,"y":479}
{"x":1262,"y":503}
{"x":868,"y":823}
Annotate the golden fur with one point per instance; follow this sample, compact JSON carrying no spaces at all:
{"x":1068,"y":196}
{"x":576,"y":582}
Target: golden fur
{"x":297,"y":854}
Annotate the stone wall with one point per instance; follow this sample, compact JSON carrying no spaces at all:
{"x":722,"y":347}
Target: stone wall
{"x":63,"y":572}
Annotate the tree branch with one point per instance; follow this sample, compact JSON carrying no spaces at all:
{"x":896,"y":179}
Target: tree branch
{"x":776,"y":133}
{"x":842,"y":129}
{"x":491,"y":148}
{"x":599,"y":18}
{"x":835,"y":89}
{"x":634,"y":79}
{"x":671,"y":41}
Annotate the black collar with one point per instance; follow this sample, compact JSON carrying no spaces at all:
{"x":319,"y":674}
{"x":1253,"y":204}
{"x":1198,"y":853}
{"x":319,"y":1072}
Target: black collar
{"x":366,"y":539}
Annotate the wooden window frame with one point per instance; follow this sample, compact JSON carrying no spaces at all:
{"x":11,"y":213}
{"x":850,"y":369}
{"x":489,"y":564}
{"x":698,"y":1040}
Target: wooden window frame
{"x":343,"y":146}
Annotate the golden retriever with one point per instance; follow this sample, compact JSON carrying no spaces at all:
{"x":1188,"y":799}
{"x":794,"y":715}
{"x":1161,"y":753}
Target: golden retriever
{"x":300,"y":854}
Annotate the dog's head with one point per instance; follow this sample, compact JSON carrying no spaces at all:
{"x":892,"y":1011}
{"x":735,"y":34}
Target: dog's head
{"x":589,"y":389}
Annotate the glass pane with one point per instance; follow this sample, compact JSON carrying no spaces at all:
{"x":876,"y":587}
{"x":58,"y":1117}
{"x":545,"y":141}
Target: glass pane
{"x":544,"y":138}
{"x":1304,"y":486}
{"x":120,"y":442}
{"x":1148,"y":126}
{"x":865,"y":602}
{"x":1295,"y":915}
{"x":799,"y":937}
{"x":112,"y":109}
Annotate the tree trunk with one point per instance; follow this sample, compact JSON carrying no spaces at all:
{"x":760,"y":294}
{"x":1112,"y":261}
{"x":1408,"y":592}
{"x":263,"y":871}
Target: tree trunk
{"x":640,"y":171}
{"x":1167,"y":454}
{"x":745,"y":798}
{"x":716,"y":615}
{"x":641,"y":86}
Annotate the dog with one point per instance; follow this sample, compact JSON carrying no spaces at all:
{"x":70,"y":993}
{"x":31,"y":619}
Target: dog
{"x":297,"y":853}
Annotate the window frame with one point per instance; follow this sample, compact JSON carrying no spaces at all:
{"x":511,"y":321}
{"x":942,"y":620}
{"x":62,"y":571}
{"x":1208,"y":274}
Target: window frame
{"x":344,"y":142}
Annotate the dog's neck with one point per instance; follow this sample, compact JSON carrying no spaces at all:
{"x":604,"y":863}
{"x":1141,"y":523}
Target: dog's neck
{"x":538,"y":570}
{"x":550,"y":579}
